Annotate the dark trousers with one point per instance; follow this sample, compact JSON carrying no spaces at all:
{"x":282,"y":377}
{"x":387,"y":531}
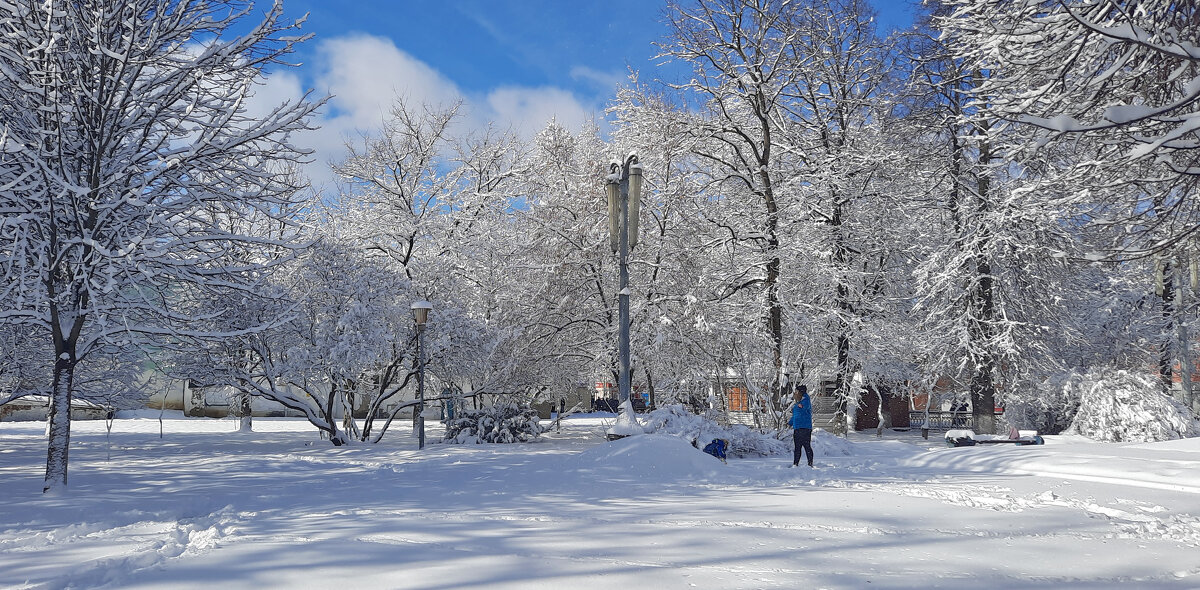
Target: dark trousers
{"x":802,"y":438}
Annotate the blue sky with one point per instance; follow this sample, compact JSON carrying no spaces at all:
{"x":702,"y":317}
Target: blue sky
{"x":482,"y":44}
{"x":516,"y":62}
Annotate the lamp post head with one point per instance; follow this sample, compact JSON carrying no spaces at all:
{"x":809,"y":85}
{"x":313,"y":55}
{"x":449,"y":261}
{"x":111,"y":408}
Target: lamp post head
{"x":420,"y":311}
{"x":613,"y":188}
{"x":635,"y":198}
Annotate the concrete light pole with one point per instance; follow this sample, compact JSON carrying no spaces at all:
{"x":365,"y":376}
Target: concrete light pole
{"x":624,"y":199}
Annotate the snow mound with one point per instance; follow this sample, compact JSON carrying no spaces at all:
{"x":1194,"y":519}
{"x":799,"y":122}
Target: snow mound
{"x":676,"y":421}
{"x":1184,"y":445}
{"x":627,"y":423}
{"x":647,"y":458}
{"x":827,"y":444}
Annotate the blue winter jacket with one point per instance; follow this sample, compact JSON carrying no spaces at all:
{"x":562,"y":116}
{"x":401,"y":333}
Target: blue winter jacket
{"x":802,"y":413}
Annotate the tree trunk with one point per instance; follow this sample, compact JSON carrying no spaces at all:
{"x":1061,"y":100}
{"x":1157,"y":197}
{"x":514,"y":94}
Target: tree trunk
{"x":842,"y":379}
{"x":245,"y":412}
{"x":983,"y":377}
{"x":774,"y":262}
{"x":337,"y":438}
{"x":981,"y":326}
{"x":1166,"y":357}
{"x":60,"y":422}
{"x":1183,"y":343}
{"x":841,"y":261}
{"x":983,"y":401}
{"x":652,"y":402}
{"x":774,"y":306}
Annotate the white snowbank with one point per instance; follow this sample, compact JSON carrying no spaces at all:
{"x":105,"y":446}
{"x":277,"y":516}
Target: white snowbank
{"x":205,"y":507}
{"x":827,"y":444}
{"x":744,"y":442}
{"x":646,"y":458}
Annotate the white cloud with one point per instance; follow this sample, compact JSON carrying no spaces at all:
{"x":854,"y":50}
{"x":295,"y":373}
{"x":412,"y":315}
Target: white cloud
{"x":273,"y":91}
{"x":365,"y":74}
{"x":604,"y":81}
{"x":529,"y":109}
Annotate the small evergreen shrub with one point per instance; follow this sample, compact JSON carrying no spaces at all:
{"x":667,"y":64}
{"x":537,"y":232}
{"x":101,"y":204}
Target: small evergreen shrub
{"x":501,"y":423}
{"x":1122,"y":406}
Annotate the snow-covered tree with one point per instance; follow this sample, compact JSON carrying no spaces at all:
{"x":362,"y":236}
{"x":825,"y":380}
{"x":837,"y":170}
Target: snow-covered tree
{"x":352,"y":325}
{"x":127,"y":149}
{"x":845,"y":245}
{"x":443,"y":207}
{"x":400,"y":184}
{"x":1096,"y":102}
{"x":790,"y":136}
{"x":742,"y":59}
{"x":561,"y":255}
{"x":672,"y":329}
{"x":961,"y":306}
{"x":1120,"y":74}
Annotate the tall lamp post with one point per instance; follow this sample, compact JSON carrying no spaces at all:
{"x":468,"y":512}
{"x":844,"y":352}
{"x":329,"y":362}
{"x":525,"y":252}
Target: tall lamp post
{"x":624,"y":198}
{"x":420,"y":311}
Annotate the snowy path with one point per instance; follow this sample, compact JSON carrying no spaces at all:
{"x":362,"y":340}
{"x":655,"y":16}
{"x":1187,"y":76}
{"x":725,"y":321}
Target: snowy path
{"x":205,"y":506}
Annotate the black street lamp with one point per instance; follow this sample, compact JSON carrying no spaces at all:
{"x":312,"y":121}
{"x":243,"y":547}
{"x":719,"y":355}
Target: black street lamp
{"x":420,"y":311}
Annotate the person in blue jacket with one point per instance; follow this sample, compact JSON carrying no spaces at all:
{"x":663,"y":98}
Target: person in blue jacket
{"x":801,"y":423}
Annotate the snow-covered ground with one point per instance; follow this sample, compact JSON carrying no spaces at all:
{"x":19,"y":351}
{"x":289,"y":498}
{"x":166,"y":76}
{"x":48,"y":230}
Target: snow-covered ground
{"x":207,"y":507}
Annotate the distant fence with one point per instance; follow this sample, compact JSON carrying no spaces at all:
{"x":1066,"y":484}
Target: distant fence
{"x":939,"y":420}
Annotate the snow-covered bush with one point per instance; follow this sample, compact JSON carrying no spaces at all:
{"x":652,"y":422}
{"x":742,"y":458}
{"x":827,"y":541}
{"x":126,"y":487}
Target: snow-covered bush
{"x":501,"y":423}
{"x":1049,"y":408}
{"x":626,"y":424}
{"x":1122,"y":406}
{"x":676,"y":420}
